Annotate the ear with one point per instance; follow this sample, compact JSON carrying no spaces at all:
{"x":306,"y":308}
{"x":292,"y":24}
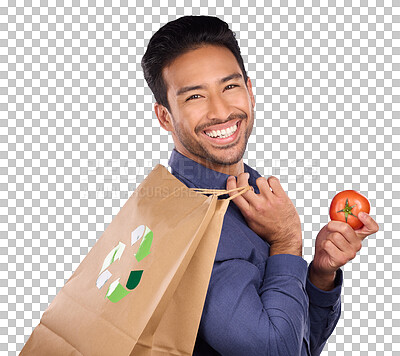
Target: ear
{"x":250,"y":90}
{"x":163,"y":116}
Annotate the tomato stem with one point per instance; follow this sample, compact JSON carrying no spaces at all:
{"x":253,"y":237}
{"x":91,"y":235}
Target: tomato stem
{"x":347,"y":210}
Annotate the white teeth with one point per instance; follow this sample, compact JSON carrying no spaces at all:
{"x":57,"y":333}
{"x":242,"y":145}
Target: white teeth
{"x":222,"y":133}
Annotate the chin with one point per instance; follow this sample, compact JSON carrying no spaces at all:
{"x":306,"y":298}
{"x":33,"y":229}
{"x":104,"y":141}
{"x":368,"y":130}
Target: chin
{"x":226,"y":157}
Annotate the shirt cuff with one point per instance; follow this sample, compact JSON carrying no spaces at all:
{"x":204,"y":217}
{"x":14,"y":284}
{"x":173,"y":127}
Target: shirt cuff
{"x":324,"y":298}
{"x":287,"y":265}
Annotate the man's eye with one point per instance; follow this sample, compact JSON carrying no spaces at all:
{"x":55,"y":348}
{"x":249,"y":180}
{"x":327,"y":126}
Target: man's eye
{"x":195,"y":96}
{"x":230,"y":86}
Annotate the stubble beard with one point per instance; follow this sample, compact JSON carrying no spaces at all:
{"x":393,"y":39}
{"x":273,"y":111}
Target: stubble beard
{"x":198,"y":149}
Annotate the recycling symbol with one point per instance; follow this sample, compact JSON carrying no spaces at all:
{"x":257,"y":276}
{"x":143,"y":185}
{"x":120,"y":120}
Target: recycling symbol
{"x":116,"y":291}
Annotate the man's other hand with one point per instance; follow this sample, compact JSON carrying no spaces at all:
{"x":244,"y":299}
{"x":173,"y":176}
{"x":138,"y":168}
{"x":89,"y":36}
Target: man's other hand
{"x":337,"y":243}
{"x":270,"y":214}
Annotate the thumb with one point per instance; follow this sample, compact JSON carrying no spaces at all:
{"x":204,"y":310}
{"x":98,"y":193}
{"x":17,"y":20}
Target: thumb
{"x":370,"y":225}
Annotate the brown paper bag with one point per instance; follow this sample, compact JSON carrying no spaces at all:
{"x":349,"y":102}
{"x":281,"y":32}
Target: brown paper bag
{"x":141,"y":288}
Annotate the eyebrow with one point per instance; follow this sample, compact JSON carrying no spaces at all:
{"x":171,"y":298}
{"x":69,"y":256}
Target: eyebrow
{"x":202,"y":86}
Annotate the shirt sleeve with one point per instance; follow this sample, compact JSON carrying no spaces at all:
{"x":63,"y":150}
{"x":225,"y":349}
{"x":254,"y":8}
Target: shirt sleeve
{"x":325,"y":309}
{"x":243,"y":316}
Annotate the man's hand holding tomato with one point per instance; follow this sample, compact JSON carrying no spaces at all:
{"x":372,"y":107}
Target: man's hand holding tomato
{"x":273,"y":217}
{"x":338,"y":242}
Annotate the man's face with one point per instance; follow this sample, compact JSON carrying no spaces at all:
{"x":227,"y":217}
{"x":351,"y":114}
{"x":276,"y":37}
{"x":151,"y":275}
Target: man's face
{"x":206,"y":91}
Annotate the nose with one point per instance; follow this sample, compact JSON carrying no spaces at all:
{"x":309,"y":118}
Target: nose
{"x":218,"y":108}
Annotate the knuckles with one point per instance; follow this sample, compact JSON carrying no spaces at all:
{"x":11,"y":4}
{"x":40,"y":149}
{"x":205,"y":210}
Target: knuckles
{"x":353,"y":255}
{"x":376,"y":227}
{"x":335,"y":235}
{"x":340,"y":227}
{"x":348,"y":230}
{"x":323,"y":244}
{"x":259,"y":208}
{"x":331,"y":225}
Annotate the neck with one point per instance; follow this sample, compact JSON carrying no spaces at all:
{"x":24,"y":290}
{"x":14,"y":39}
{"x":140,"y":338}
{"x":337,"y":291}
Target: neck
{"x":229,"y":169}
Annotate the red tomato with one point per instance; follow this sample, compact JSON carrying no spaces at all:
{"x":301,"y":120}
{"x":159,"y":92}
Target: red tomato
{"x":346,"y":205}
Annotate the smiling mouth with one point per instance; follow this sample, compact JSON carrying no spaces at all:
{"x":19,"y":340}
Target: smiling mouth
{"x":228,"y":135}
{"x":225,"y":132}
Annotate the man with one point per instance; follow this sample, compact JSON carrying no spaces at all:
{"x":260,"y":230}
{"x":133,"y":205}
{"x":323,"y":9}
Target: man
{"x":262,"y":299}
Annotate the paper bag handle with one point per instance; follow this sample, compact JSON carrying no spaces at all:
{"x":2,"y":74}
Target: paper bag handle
{"x":218,"y":192}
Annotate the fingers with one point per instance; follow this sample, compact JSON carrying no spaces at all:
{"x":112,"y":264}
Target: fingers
{"x":264,"y":187}
{"x":243,"y":180}
{"x":342,"y":243}
{"x":270,"y":187}
{"x":345,"y":230}
{"x":339,"y":241}
{"x":240,"y":200}
{"x":338,"y":257}
{"x":370,"y":226}
{"x":275,"y":185}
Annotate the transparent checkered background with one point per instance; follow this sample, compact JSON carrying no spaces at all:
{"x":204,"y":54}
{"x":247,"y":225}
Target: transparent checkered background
{"x":78,"y":135}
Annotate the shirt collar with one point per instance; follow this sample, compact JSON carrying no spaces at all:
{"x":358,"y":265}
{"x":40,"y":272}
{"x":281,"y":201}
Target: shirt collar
{"x":203,"y":177}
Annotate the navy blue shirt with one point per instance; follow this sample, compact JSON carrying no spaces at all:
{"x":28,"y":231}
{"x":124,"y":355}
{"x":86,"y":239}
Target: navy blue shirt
{"x":257,"y":304}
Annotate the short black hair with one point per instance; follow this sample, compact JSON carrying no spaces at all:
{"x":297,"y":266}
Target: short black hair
{"x":178,"y":37}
